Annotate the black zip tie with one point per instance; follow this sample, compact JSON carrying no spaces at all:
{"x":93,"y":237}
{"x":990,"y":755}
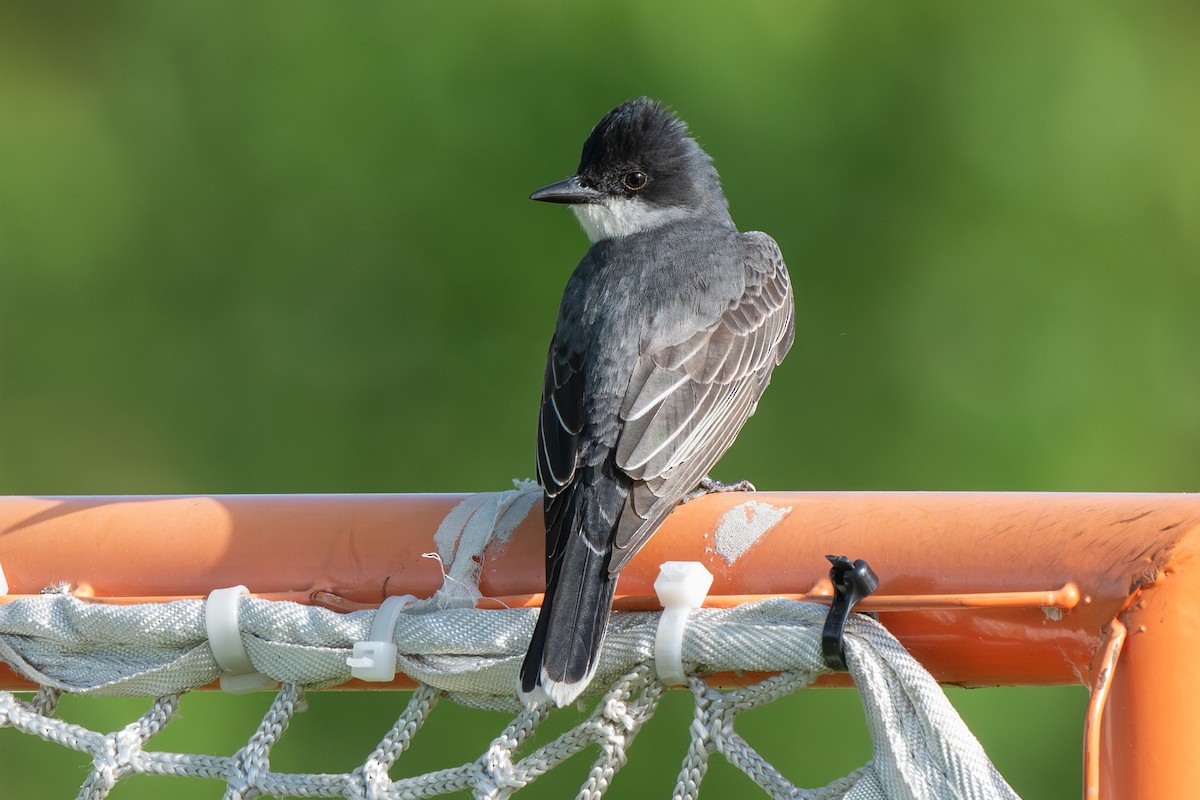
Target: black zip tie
{"x":851,"y":583}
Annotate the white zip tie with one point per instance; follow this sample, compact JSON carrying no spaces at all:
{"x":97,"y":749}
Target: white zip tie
{"x":238,"y":675}
{"x":681,"y":586}
{"x":375,"y":660}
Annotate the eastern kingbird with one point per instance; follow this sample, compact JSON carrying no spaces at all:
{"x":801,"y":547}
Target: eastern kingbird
{"x":666,"y":337}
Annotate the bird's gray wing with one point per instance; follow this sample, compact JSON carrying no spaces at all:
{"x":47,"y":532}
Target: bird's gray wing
{"x":559,"y":425}
{"x":687,"y":401}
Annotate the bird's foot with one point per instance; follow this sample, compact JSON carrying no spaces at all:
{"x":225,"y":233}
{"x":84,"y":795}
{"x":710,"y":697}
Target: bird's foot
{"x":709,"y":485}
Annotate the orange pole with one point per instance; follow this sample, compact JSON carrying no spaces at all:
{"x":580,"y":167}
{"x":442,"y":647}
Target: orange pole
{"x":998,"y":588}
{"x":1147,"y":743}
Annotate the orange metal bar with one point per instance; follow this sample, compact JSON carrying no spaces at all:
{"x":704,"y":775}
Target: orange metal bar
{"x":1026,"y":588}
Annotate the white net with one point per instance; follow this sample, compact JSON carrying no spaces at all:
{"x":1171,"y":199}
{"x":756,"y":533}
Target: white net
{"x":471,"y":656}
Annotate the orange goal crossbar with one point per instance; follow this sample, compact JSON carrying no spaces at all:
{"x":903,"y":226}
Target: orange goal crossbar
{"x":983,"y":588}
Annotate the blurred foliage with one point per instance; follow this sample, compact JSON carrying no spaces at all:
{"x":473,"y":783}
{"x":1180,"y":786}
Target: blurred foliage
{"x":285,"y":247}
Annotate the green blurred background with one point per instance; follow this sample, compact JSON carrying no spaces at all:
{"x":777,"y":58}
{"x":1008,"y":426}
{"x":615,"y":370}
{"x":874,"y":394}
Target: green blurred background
{"x":282,"y":247}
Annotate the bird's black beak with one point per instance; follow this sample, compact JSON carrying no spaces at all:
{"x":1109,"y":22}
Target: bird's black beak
{"x":569,"y":191}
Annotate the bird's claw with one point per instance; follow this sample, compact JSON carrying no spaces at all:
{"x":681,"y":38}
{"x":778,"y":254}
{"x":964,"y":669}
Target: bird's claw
{"x":710,"y":485}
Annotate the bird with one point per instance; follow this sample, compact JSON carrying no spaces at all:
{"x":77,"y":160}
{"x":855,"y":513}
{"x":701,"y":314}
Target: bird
{"x":667,"y":334}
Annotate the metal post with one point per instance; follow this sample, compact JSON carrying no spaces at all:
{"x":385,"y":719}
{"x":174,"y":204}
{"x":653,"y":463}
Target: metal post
{"x":1149,"y":744}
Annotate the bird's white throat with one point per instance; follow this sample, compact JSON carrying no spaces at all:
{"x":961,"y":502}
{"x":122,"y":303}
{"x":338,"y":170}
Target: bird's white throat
{"x":614,"y":217}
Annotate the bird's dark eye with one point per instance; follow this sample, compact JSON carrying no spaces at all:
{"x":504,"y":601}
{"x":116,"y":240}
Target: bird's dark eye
{"x":634,"y":180}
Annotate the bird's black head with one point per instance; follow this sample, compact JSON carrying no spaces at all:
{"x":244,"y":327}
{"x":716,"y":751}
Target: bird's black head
{"x":639,"y":170}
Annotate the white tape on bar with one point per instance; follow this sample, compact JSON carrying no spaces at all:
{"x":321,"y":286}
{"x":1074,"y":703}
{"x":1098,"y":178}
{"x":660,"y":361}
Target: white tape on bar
{"x":375,"y":660}
{"x":681,"y":586}
{"x":238,"y":675}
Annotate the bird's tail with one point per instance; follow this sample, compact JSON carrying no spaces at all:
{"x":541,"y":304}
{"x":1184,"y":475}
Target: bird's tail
{"x":566,"y":641}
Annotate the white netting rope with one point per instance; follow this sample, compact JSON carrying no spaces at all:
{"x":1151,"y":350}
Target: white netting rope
{"x":922,"y":748}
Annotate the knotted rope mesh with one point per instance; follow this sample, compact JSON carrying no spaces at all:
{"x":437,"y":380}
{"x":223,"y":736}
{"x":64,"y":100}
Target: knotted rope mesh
{"x":922,"y":749}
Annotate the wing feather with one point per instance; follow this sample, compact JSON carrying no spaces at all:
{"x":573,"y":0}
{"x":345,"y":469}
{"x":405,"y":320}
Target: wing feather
{"x":672,"y":421}
{"x":658,"y":386}
{"x":560,"y":423}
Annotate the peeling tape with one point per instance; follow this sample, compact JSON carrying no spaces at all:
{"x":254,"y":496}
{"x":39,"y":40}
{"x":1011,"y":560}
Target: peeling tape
{"x":465,"y":533}
{"x":745,"y":524}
